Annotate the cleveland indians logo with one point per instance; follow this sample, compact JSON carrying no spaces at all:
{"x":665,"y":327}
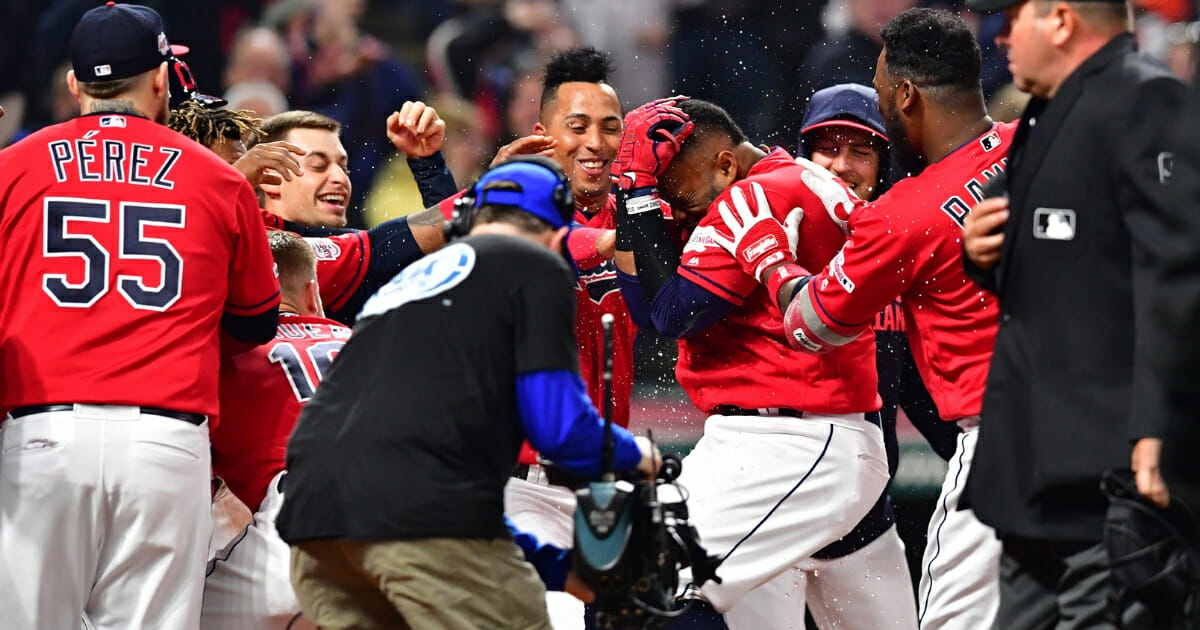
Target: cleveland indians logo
{"x":599,"y":281}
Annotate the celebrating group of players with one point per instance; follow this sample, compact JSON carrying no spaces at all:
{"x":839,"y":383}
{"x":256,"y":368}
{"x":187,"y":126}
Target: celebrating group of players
{"x":141,"y":314}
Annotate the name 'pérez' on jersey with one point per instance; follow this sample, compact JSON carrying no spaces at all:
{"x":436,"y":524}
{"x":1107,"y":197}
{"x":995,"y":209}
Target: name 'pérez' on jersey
{"x":112,"y":160}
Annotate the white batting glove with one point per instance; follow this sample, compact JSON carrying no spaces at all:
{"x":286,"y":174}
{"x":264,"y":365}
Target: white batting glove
{"x":838,"y":199}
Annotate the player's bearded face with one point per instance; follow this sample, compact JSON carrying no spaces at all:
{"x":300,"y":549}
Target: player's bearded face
{"x":907,"y":157}
{"x":585,"y":119}
{"x":886,"y":86}
{"x":690,"y":185}
{"x":319,"y":196}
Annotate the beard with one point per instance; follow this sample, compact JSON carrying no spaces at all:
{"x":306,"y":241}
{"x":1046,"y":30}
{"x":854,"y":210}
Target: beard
{"x":903,"y":154}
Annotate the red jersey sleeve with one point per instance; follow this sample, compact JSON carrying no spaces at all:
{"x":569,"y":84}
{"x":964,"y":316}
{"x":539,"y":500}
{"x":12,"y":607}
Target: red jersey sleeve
{"x":342,"y":262}
{"x":447,"y":205}
{"x":872,"y":268}
{"x":253,"y":286}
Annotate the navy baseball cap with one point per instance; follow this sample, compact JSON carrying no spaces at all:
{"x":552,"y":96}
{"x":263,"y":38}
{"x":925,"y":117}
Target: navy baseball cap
{"x":534,"y":184}
{"x":844,"y":105}
{"x":118,"y":41}
{"x":995,"y":6}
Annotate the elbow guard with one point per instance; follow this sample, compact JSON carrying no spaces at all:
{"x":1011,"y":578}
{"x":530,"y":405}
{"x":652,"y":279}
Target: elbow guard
{"x":806,"y":330}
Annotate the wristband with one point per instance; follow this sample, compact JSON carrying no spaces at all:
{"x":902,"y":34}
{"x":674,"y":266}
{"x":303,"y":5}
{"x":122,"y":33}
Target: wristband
{"x":780,"y":276}
{"x":645,"y":202}
{"x":632,"y":203}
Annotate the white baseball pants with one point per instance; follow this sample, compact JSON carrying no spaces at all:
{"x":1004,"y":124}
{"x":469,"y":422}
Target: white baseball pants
{"x":104,"y":513}
{"x":249,"y":584}
{"x":869,"y":589}
{"x":547,"y":512}
{"x":765,"y":493}
{"x":960,"y":571}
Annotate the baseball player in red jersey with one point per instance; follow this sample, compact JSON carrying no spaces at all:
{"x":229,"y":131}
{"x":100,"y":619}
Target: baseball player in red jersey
{"x":866,"y":570}
{"x":908,"y":243}
{"x":262,"y":393}
{"x":127,"y":247}
{"x":580,"y":126}
{"x":792,"y":455}
{"x":306,"y":192}
{"x":351,"y":265}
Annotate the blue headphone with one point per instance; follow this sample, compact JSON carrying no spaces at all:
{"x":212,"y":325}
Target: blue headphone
{"x":541,"y":189}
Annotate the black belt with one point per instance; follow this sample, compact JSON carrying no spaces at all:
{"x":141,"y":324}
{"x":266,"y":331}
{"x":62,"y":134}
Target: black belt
{"x":731,"y":410}
{"x":190,"y":418}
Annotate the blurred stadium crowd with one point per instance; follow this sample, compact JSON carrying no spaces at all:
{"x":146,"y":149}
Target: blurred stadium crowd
{"x":478,"y":63}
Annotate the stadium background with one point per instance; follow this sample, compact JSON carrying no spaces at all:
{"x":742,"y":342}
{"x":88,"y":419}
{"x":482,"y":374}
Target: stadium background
{"x":477,"y":62}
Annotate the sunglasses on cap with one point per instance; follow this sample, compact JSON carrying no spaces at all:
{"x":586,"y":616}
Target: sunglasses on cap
{"x":184,"y":74}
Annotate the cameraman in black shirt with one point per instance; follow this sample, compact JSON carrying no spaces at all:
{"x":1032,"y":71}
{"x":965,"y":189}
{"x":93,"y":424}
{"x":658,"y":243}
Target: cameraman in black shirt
{"x":396,"y":469}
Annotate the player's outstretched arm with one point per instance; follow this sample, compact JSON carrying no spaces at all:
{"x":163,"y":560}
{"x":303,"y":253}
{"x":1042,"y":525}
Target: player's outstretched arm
{"x":833,"y":307}
{"x":418,"y":132}
{"x":562,"y":424}
{"x":534,"y":144}
{"x":251,"y":308}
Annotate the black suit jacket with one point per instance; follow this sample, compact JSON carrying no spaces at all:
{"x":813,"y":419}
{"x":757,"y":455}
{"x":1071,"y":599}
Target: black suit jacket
{"x":1069,"y":387}
{"x":1176,"y":305}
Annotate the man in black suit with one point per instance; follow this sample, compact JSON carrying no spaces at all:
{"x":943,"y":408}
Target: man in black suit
{"x":1176,"y":305}
{"x":1071,"y":392}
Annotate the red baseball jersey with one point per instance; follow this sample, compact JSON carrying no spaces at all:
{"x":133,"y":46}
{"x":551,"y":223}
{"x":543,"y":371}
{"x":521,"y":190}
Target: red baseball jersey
{"x":124,"y":242}
{"x":744,"y":360}
{"x":342,"y":261}
{"x":597,"y":293}
{"x":262,"y":393}
{"x":909,"y":243}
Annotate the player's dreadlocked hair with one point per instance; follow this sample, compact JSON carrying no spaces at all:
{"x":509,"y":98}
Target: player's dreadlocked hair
{"x":710,"y":118}
{"x":586,"y":65}
{"x":932,"y":48}
{"x":209,"y":126}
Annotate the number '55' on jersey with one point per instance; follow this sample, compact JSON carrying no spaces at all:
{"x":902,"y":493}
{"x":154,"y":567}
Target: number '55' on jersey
{"x":124,"y":244}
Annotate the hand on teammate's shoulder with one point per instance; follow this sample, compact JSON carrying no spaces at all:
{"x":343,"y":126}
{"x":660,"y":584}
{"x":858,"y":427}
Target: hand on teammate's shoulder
{"x":983,"y":232}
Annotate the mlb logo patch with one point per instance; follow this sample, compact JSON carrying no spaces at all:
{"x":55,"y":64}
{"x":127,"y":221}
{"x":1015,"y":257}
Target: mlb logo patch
{"x":163,"y":45}
{"x":102,"y":70}
{"x":112,"y":121}
{"x":1166,"y":167}
{"x":990,"y":141}
{"x":1054,"y":224}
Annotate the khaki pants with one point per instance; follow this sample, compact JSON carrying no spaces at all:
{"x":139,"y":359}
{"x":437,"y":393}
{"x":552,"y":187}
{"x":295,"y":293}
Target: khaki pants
{"x":432,"y":583}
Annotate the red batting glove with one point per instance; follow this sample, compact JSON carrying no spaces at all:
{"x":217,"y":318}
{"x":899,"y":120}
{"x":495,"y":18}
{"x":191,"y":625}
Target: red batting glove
{"x":653,"y":133}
